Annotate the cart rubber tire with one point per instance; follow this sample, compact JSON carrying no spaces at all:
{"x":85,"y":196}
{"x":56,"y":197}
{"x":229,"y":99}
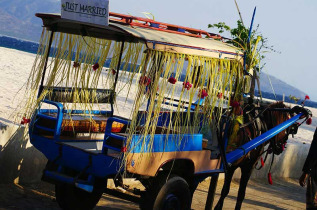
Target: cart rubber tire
{"x":70,"y":197}
{"x":171,"y":195}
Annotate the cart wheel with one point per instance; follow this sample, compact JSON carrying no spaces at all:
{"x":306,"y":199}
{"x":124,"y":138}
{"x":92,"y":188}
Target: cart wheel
{"x":171,"y":195}
{"x":70,"y":197}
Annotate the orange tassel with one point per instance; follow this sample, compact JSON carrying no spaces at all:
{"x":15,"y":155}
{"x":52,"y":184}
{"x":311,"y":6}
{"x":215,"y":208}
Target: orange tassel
{"x":309,"y":121}
{"x":262,"y":162}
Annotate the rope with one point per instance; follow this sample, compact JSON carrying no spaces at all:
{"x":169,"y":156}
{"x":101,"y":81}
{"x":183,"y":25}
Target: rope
{"x":271,"y":86}
{"x":271,"y":162}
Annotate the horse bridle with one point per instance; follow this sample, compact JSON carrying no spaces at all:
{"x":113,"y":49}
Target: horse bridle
{"x":274,"y":146}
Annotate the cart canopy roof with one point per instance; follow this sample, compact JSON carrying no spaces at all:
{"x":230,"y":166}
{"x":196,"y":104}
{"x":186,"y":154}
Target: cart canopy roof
{"x":154,"y":39}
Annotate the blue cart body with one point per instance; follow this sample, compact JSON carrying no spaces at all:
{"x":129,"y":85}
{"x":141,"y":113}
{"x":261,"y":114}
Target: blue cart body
{"x":97,"y":158}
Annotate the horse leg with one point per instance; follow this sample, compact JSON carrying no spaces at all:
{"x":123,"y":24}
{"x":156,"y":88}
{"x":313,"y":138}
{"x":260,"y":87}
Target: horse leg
{"x":225,"y":189}
{"x":245,"y":177}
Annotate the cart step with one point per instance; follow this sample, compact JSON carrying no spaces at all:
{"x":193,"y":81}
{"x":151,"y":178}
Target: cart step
{"x":45,"y":128}
{"x":46,"y":116}
{"x":86,"y":187}
{"x":82,"y":184}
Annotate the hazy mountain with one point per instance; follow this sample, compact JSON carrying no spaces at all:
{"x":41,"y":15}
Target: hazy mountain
{"x":25,"y":9}
{"x":17,"y":17}
{"x":280,"y":87}
{"x":12,"y":26}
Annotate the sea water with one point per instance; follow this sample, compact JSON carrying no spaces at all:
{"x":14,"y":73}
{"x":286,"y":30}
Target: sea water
{"x":18,"y":44}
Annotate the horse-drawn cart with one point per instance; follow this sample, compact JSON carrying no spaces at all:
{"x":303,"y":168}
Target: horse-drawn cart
{"x":175,"y":88}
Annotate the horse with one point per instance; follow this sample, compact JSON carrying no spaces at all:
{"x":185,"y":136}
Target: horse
{"x":256,"y":121}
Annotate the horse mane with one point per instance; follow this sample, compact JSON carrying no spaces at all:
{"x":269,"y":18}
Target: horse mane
{"x":278,"y":104}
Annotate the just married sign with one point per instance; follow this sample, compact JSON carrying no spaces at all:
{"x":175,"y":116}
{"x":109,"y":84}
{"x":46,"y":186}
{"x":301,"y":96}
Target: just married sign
{"x":91,"y":11}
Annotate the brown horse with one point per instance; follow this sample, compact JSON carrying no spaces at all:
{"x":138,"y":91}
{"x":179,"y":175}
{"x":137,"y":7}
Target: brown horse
{"x":256,"y":121}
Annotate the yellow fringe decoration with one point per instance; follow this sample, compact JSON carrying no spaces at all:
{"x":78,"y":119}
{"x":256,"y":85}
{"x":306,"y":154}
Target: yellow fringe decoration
{"x":149,"y":71}
{"x":72,"y":65}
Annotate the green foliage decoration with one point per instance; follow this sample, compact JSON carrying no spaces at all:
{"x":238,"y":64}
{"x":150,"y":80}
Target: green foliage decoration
{"x":254,"y":49}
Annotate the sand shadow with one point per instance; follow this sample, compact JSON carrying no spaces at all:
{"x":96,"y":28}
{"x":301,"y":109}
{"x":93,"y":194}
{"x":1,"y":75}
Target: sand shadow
{"x":19,"y":161}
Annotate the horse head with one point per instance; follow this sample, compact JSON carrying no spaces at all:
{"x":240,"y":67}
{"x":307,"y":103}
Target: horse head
{"x":274,"y":115}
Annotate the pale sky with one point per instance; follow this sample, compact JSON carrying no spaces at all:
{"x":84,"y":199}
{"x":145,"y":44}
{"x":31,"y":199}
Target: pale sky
{"x":289,"y":25}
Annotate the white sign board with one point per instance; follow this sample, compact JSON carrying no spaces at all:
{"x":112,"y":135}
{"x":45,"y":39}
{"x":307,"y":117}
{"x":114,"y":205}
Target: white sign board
{"x":90,"y":11}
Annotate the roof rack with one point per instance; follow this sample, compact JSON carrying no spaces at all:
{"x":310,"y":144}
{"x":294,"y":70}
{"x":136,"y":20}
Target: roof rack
{"x":148,"y":23}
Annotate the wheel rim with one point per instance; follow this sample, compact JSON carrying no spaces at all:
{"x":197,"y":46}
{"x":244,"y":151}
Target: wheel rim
{"x":171,"y":202}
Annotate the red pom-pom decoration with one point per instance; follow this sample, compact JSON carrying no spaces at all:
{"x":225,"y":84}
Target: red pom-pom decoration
{"x":269,"y":177}
{"x":25,"y":121}
{"x":307,"y":97}
{"x":124,"y":149}
{"x":172,"y":80}
{"x":76,"y":64}
{"x":95,"y":66}
{"x":187,"y":85}
{"x":309,"y":121}
{"x":203,"y":94}
{"x":144,"y":80}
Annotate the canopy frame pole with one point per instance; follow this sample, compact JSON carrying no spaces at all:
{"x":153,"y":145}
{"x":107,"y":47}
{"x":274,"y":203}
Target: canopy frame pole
{"x":45,"y":65}
{"x":117,"y":75}
{"x":118,"y":66}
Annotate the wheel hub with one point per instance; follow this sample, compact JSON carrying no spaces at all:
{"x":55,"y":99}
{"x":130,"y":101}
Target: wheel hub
{"x":172,"y":202}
